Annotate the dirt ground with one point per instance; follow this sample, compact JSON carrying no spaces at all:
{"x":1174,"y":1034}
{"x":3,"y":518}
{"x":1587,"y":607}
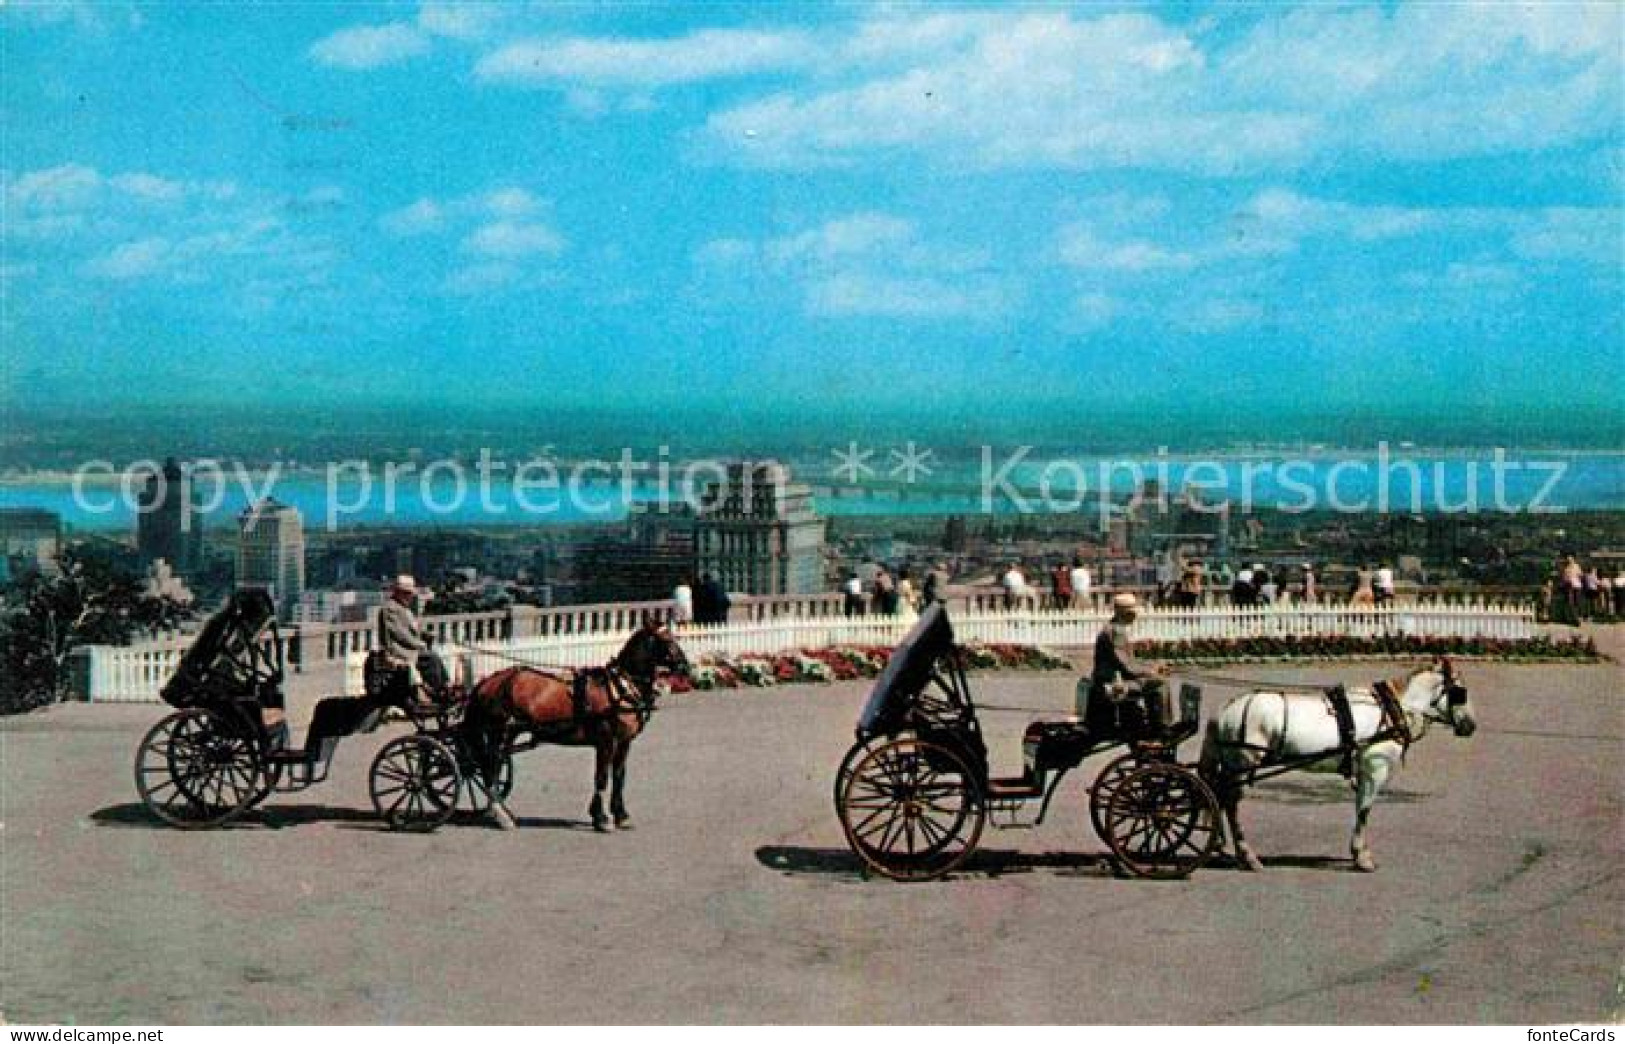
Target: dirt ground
{"x":735,"y":900}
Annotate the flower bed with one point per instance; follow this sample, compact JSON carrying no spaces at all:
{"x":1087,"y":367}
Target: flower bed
{"x":844,"y":663}
{"x":1330,"y":647}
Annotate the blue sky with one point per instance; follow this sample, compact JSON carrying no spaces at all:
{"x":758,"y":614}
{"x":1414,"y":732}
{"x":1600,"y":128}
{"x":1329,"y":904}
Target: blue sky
{"x":808,"y":206}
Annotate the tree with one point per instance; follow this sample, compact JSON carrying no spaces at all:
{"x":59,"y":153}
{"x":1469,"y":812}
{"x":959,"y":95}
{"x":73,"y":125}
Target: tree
{"x":88,"y":600}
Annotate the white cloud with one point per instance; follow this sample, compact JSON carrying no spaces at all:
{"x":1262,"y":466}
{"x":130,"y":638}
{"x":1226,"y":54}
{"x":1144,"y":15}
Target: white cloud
{"x":1085,"y":90}
{"x":1572,"y":233}
{"x":369,"y":47}
{"x":504,"y":202}
{"x":56,"y":188}
{"x":143,"y":257}
{"x":483,"y":278}
{"x":622,"y":62}
{"x":1080,"y":247}
{"x":868,"y":264}
{"x":512,"y":239}
{"x":414,"y":219}
{"x":875,"y":295}
{"x":1095,"y":309}
{"x":459,"y":21}
{"x":1220,"y":314}
{"x":509,"y":202}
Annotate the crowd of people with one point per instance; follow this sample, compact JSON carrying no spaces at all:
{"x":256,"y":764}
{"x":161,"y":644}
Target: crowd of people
{"x":1573,"y":593}
{"x":1576,"y":592}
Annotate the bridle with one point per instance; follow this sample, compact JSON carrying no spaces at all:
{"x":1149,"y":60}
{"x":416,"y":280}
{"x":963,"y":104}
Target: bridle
{"x":1452,"y":693}
{"x":635,"y":694}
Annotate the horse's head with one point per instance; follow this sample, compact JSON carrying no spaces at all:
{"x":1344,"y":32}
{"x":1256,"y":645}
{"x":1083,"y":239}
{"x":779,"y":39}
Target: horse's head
{"x":651,"y":649}
{"x":1442,"y":697}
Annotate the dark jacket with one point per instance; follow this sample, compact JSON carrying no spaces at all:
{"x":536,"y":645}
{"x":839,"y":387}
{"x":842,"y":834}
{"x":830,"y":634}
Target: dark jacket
{"x":1114,"y":657}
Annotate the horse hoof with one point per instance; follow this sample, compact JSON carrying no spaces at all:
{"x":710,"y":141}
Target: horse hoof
{"x":502,"y":817}
{"x":1250,"y":862}
{"x":623,"y":823}
{"x":603,"y":826}
{"x":1365,"y":864}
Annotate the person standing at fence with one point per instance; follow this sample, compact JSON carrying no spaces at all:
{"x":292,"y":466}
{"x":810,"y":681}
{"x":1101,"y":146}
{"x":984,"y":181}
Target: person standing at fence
{"x":1383,"y":585}
{"x":936,"y":584}
{"x":1360,"y":593}
{"x":1191,"y":583}
{"x":1061,"y":586}
{"x":1592,"y":585}
{"x":1241,"y":589}
{"x":885,"y":596}
{"x":1082,"y":582}
{"x":711,"y":601}
{"x":1015,"y":587}
{"x":852,"y":592}
{"x":908,"y":599}
{"x":682,"y":604}
{"x":1310,"y":595}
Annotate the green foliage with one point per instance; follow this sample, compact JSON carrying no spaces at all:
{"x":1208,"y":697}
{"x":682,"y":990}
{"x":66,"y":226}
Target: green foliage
{"x":89,"y":600}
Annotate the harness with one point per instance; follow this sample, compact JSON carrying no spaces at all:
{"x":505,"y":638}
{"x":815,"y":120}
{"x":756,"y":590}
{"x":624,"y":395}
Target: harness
{"x":1394,"y":726}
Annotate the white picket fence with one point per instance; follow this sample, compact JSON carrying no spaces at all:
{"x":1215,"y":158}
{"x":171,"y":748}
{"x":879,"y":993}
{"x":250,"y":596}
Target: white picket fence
{"x":136,"y":673}
{"x":1054,"y":629}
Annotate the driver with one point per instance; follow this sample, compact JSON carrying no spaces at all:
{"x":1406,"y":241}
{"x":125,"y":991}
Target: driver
{"x":401,"y":640}
{"x":1119,"y":678}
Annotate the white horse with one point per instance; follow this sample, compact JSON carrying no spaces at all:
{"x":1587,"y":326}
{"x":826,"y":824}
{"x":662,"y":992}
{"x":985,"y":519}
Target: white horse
{"x":1264,"y":729}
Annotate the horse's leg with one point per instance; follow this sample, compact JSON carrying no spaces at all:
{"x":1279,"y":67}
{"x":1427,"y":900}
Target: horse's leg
{"x":1374,"y":771}
{"x":1230,"y":798}
{"x":486,"y":737}
{"x":617,"y":799}
{"x":603,"y":751}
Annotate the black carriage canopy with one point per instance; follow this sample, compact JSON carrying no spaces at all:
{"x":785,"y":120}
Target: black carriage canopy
{"x":908,"y":672}
{"x":226,"y":662}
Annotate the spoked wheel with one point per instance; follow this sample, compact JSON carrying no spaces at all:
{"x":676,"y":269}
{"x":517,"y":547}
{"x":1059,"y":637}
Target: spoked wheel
{"x":912,"y":810}
{"x":415,"y":783}
{"x":850,"y":762}
{"x":476,"y":797}
{"x":1163,"y":821}
{"x":194,"y":770}
{"x":1111,"y":777}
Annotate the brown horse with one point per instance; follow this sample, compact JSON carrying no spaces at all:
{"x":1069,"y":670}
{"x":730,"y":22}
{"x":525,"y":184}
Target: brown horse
{"x":606,"y":708}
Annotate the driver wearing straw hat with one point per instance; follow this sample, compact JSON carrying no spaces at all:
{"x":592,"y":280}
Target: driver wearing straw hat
{"x":1119,"y":679}
{"x":398,"y":633}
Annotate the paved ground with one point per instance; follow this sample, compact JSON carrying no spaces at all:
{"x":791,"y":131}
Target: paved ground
{"x":1500,"y":897}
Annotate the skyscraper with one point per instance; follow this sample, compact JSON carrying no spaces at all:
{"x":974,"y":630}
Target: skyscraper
{"x":271,"y":552}
{"x":758,"y":532}
{"x":167,"y":525}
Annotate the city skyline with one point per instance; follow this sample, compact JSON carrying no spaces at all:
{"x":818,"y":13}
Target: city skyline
{"x":860,"y":209}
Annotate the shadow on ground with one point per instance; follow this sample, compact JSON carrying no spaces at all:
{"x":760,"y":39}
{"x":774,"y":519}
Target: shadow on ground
{"x":134,"y":815}
{"x":796,"y":861}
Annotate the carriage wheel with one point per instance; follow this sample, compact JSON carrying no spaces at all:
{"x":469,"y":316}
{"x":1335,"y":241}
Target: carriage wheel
{"x":477,"y":798}
{"x":850,"y":762}
{"x":912,"y":810}
{"x":1111,"y":777}
{"x":193,"y":770}
{"x":415,"y":783}
{"x":1163,"y":821}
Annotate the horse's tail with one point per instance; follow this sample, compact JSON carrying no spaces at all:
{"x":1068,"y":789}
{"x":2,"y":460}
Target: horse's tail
{"x":484,"y":726}
{"x":1208,"y":764}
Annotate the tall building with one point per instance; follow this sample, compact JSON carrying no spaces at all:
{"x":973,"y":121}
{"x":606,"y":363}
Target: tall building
{"x":645,"y":563}
{"x":167,"y":526}
{"x":271,"y":552}
{"x":758,"y":532}
{"x":31,"y":536}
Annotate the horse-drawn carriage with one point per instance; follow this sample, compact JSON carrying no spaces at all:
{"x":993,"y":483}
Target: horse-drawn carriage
{"x":915,"y":792}
{"x":225,"y":748}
